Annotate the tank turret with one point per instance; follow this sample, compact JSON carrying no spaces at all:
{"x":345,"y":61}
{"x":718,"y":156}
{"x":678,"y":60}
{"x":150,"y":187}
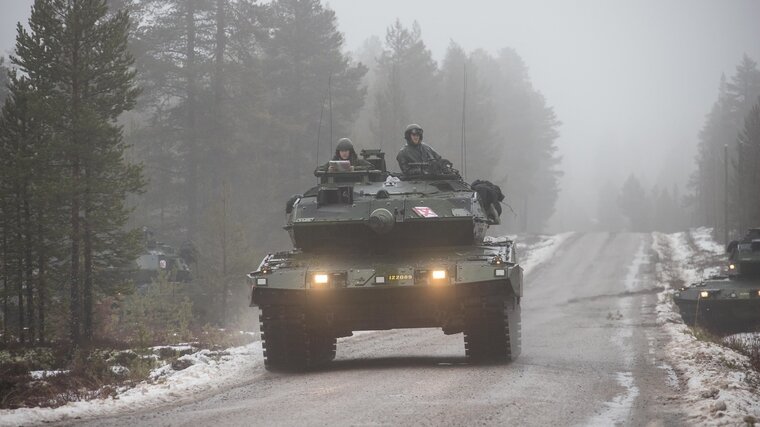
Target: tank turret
{"x":376,"y":211}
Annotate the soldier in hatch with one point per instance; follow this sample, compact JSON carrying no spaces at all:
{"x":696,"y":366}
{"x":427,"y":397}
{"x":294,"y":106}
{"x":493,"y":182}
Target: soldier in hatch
{"x":345,"y":151}
{"x":415,"y":151}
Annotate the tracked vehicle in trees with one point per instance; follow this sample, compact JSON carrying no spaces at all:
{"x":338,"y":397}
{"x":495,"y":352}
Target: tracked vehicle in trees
{"x":375,"y":250}
{"x":729,"y":303}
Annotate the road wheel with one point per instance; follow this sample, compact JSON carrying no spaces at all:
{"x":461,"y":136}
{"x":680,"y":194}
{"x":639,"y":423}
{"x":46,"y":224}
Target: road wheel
{"x":289,"y":344}
{"x":492,"y":332}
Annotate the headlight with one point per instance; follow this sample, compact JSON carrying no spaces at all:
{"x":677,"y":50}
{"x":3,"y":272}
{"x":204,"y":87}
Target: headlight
{"x":732,"y":267}
{"x":438,"y":274}
{"x":320,"y":279}
{"x":261,"y":281}
{"x":704,"y":294}
{"x":500,"y":272}
{"x":380,"y":280}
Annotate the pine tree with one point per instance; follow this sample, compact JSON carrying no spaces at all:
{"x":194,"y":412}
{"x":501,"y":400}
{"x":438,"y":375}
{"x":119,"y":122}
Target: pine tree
{"x":635,"y":205}
{"x":76,"y":54}
{"x":407,"y":86}
{"x":4,"y":81}
{"x":747,"y":171}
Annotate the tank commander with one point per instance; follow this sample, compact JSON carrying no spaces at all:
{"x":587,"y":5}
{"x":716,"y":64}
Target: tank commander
{"x":415,"y":151}
{"x":345,"y":151}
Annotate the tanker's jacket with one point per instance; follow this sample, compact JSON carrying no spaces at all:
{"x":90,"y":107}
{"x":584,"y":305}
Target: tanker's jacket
{"x":356,"y":162}
{"x":419,"y":153}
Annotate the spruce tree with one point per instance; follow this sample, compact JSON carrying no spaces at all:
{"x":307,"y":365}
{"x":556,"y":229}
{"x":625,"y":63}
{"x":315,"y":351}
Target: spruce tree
{"x":76,"y":53}
{"x":4,"y":82}
{"x":747,"y":171}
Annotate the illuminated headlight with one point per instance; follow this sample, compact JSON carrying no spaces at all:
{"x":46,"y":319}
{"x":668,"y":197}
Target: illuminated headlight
{"x":500,"y":272}
{"x":261,"y":281}
{"x":704,"y":294}
{"x":438,"y":274}
{"x":732,"y":266}
{"x":758,"y":293}
{"x":380,"y":280}
{"x":733,"y":294}
{"x":320,"y":279}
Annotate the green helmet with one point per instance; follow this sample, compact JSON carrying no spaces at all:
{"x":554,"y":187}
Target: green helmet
{"x":411,"y":128}
{"x":344,"y":144}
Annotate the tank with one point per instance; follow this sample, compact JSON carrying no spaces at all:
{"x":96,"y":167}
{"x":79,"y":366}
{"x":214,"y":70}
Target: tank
{"x":159,"y":259}
{"x":374,"y":250}
{"x":729,"y":303}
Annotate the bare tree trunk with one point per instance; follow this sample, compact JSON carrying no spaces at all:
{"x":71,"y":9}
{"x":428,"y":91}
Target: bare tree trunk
{"x":41,"y":282}
{"x":29,"y":270}
{"x":74,"y":281}
{"x":225,"y":283}
{"x":75,"y":306}
{"x":4,"y":277}
{"x":20,"y":269}
{"x":87,"y":268}
{"x":190,"y":127}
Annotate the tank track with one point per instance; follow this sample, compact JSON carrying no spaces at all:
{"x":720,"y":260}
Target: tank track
{"x":291,"y":341}
{"x":493,"y":332}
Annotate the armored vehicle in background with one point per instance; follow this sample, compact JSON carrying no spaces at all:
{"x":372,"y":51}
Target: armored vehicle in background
{"x":160,"y":259}
{"x":375,"y":250}
{"x":728,"y":303}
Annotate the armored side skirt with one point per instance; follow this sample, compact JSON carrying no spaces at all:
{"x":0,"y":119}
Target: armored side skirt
{"x":721,"y":315}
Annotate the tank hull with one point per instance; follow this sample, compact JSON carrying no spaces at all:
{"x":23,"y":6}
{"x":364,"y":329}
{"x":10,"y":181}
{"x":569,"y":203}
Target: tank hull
{"x":722,"y":305}
{"x":479,"y":296}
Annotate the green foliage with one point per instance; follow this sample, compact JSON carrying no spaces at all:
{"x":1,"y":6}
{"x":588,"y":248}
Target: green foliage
{"x":635,"y":205}
{"x":746,"y":199}
{"x":70,"y":179}
{"x":159,"y":313}
{"x":730,"y":123}
{"x":4,"y":81}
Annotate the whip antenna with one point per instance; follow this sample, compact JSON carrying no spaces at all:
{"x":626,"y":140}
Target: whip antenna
{"x":329,"y":97}
{"x":464,"y":109}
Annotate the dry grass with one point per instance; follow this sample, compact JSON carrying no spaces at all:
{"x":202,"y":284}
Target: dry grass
{"x":748,"y":345}
{"x":98,"y":371}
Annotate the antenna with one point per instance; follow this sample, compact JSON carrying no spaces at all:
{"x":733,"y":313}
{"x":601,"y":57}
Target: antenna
{"x":319,"y":128}
{"x":329,"y":96}
{"x":464,"y":109}
{"x":321,"y":115}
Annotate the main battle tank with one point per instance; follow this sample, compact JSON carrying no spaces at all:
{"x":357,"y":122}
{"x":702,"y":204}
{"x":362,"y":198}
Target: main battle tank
{"x":728,"y":303}
{"x":376,"y":250}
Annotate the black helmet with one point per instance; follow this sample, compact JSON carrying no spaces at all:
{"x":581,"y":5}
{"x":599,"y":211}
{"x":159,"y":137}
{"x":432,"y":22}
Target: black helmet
{"x":412,"y":128}
{"x":344,"y":144}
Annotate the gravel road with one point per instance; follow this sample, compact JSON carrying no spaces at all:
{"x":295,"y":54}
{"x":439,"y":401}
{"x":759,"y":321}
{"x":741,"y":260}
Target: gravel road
{"x":590,"y":357}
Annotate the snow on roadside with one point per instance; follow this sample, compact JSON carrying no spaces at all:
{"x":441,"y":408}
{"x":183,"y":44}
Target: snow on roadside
{"x":532,"y":255}
{"x":210,"y":371}
{"x":720,"y":386}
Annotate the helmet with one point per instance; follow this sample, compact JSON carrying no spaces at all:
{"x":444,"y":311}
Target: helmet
{"x":344,"y":144}
{"x":410,"y":128}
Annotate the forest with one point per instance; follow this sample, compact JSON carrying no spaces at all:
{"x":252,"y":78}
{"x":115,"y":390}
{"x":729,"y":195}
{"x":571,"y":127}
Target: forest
{"x":194,"y":121}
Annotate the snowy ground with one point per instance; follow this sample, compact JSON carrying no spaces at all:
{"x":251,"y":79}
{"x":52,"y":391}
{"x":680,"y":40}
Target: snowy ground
{"x":209,"y":371}
{"x":719,"y":385}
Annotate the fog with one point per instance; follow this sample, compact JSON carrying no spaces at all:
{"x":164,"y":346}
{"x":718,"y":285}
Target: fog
{"x":631,"y":81}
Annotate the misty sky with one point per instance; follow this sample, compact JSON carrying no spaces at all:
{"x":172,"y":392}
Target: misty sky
{"x":630,"y":80}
